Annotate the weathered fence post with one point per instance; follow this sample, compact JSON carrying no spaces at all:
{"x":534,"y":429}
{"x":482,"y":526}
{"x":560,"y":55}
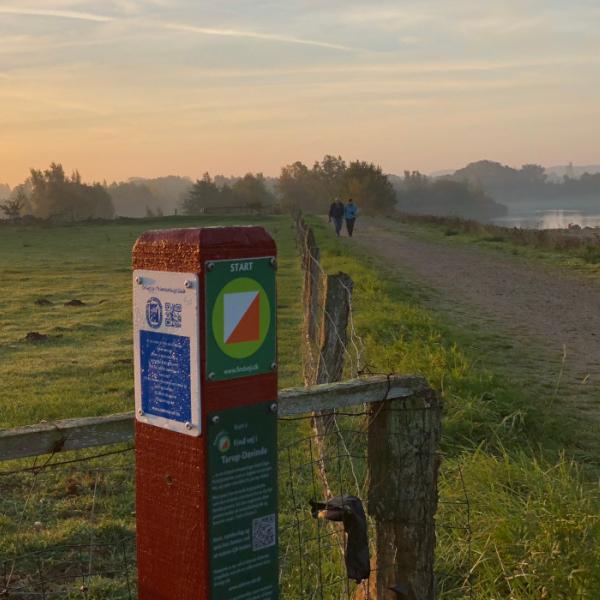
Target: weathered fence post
{"x":330,"y":361}
{"x":326,"y":301}
{"x":326,"y":304}
{"x":206,"y":422}
{"x":337,"y":294}
{"x":403,"y":443}
{"x":403,"y":458}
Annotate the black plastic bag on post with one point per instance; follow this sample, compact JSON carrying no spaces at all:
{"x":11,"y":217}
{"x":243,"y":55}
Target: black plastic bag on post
{"x":349,"y":510}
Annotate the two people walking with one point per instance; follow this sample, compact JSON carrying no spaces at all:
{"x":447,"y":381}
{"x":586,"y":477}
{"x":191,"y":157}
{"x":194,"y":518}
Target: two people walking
{"x":338,"y":212}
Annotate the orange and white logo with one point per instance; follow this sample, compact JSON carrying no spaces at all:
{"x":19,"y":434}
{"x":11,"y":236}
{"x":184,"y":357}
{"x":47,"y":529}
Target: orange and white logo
{"x":241,"y":318}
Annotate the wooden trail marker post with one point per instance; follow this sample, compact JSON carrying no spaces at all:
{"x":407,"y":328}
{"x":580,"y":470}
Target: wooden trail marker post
{"x":206,"y":414}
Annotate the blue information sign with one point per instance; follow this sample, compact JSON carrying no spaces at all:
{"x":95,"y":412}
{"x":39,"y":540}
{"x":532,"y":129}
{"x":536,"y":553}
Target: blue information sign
{"x":166,"y":350}
{"x":165,"y":370}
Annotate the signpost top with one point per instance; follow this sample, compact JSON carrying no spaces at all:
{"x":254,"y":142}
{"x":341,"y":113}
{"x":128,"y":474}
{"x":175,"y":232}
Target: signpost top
{"x":185,"y":249}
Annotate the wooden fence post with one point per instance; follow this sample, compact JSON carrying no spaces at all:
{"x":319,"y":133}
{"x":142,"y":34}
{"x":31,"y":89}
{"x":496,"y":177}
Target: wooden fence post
{"x":403,"y":443}
{"x":337,"y":292}
{"x":326,"y":301}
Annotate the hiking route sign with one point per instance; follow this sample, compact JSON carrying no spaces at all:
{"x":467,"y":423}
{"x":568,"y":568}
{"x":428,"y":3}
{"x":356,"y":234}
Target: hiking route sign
{"x":240,"y":318}
{"x":166,"y":350}
{"x":242,"y":491}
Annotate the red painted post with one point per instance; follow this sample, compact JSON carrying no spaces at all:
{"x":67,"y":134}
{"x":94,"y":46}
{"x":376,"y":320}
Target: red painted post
{"x":206,"y":387}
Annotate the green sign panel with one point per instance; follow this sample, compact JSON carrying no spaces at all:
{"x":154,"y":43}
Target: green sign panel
{"x":242,"y":479}
{"x":240,"y":318}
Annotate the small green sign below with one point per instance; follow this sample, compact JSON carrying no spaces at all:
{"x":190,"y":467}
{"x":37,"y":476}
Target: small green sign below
{"x":242,"y":513}
{"x":240,"y":309}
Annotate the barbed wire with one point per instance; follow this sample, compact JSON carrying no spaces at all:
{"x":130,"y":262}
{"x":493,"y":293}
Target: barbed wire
{"x":50,"y":465}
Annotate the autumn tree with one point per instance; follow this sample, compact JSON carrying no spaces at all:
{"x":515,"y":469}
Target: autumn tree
{"x":251,"y":191}
{"x":296,"y":187}
{"x":13,"y":208}
{"x":328,"y":178}
{"x":56,"y":195}
{"x":369,"y":187}
{"x":204,"y":194}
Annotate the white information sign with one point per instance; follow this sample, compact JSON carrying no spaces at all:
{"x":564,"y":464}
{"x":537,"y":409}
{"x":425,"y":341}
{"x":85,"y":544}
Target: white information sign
{"x":166,"y":350}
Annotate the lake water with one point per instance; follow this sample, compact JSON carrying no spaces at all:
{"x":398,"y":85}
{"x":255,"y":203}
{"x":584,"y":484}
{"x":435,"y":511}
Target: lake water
{"x":549,"y":219}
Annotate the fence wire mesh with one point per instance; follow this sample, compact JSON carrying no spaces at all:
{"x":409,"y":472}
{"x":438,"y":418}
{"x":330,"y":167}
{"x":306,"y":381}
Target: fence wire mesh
{"x":67,"y":527}
{"x":68,"y":530}
{"x":313,"y":467}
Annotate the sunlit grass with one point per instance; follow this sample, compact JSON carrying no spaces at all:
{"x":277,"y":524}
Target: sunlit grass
{"x":533,"y":531}
{"x":84,"y":365}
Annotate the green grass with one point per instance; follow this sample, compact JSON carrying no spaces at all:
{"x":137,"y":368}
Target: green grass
{"x":529,"y":474}
{"x":522,"y":462}
{"x":84,"y":366}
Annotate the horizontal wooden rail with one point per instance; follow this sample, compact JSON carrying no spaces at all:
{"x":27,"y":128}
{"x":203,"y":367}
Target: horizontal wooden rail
{"x":76,"y":434}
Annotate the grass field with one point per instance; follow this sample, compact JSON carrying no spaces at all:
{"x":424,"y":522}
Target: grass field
{"x":534,"y":529}
{"x":84,"y":366}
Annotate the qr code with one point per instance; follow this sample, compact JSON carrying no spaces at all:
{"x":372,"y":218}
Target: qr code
{"x":263,"y":532}
{"x":172,"y":315}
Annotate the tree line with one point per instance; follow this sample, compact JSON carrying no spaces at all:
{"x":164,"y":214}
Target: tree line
{"x":529,"y":181}
{"x":468,"y":192}
{"x":247,"y":192}
{"x":445,"y":196}
{"x":52,"y":194}
{"x":299,"y":187}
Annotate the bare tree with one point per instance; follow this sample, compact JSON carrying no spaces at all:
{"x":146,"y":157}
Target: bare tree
{"x":12,"y":208}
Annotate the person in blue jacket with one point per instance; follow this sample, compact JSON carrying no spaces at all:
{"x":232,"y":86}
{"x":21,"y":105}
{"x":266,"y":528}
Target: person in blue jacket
{"x":350,"y":213}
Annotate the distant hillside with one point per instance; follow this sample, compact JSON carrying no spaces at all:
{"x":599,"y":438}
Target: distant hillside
{"x":443,"y":196}
{"x":556,"y":172}
{"x":442,"y":173}
{"x":572,"y":170}
{"x":532,"y":186}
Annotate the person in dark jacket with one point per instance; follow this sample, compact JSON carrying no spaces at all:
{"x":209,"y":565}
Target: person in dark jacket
{"x":350,"y":213}
{"x":336,"y":213}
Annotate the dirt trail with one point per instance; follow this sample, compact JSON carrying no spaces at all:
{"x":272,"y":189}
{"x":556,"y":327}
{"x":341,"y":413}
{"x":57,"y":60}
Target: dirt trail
{"x":537,"y":312}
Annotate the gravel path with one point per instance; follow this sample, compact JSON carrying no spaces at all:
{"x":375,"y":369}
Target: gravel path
{"x":546,"y":314}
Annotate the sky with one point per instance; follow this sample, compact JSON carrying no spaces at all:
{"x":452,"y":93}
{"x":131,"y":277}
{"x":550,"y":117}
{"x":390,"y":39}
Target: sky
{"x":122,"y":88}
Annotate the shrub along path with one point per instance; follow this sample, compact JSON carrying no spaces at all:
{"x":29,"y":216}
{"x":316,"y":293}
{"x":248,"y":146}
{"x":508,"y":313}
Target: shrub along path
{"x":537,"y":321}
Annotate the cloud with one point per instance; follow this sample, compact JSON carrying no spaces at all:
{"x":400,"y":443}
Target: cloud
{"x":474,"y":19}
{"x":271,"y":37}
{"x":392,"y":69}
{"x":60,"y":14}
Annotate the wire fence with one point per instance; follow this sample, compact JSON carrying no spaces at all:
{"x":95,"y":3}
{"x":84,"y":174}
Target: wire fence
{"x":67,"y":527}
{"x":342,"y":461}
{"x":68,"y":530}
{"x":67,"y":522}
